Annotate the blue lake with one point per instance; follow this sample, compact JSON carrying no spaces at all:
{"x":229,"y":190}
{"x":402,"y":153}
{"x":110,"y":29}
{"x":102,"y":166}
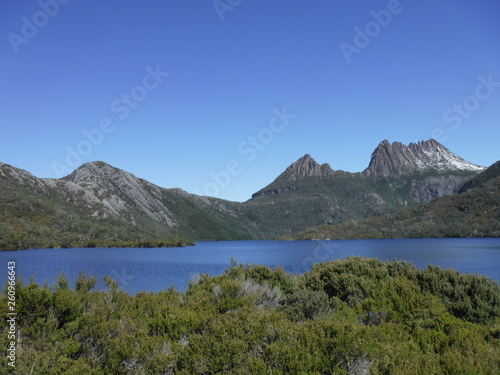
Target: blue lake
{"x":158,"y":269}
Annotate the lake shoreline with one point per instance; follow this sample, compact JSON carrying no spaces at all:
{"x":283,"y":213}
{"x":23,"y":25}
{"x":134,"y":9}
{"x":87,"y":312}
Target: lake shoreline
{"x":153,"y":269}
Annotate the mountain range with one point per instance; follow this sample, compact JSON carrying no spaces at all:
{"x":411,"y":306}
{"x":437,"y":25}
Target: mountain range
{"x":473,"y":212}
{"x":100,"y":205}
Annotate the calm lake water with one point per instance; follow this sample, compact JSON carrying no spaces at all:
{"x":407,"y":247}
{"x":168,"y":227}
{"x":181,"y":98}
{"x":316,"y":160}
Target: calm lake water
{"x":158,"y":269}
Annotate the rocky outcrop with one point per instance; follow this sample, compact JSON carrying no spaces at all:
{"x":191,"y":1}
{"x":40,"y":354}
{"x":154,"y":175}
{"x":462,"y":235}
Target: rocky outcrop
{"x":275,"y":191}
{"x":430,"y":188}
{"x":306,"y":166}
{"x":119,"y":191}
{"x":397,"y":159}
{"x":100,"y":201}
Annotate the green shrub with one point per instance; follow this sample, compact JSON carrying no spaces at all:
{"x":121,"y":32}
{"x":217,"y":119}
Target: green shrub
{"x":343,"y":317}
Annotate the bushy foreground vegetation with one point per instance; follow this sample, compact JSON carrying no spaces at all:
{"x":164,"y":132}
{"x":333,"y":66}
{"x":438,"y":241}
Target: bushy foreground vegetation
{"x":353,"y":316}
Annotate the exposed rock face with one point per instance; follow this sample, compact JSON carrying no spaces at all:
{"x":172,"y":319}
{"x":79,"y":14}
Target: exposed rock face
{"x":119,"y":190}
{"x":100,"y":199}
{"x":306,"y":166}
{"x":275,"y":191}
{"x":375,"y":198}
{"x":430,"y":188}
{"x":398,"y":176}
{"x":397,"y":159}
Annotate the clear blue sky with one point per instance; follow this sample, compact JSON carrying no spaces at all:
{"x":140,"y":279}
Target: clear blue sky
{"x":352,"y":73}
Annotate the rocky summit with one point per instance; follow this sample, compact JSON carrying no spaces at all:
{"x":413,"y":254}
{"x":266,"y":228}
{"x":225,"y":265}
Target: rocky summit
{"x":118,"y":190}
{"x":306,"y":166}
{"x":396,"y":159}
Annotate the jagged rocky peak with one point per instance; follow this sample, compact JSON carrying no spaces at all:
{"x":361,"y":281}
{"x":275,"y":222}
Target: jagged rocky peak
{"x":397,"y":159}
{"x":306,"y":166}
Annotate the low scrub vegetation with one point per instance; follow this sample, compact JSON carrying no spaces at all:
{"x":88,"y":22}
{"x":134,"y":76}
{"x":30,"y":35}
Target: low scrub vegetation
{"x":354,"y":316}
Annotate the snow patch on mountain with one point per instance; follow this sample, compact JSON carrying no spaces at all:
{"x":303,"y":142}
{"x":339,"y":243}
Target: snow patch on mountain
{"x":397,"y":159}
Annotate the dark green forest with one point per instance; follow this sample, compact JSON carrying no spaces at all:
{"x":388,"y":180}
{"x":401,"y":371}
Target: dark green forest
{"x":353,"y":316}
